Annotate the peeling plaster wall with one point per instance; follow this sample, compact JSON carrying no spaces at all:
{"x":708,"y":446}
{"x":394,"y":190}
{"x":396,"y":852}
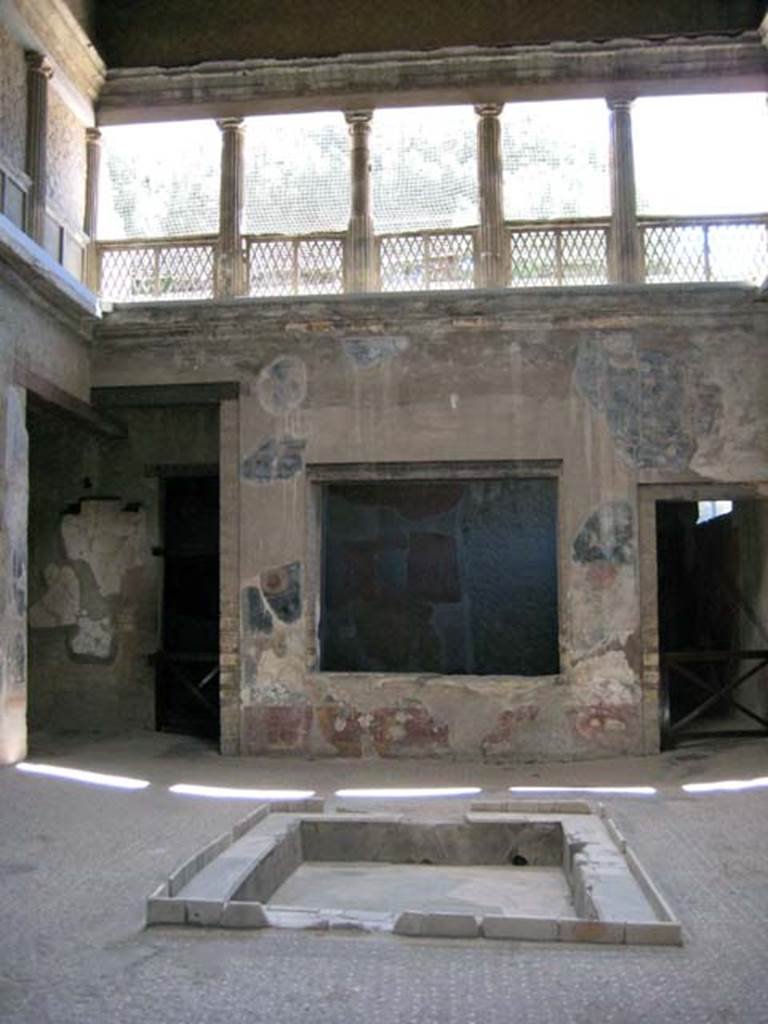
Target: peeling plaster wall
{"x":616,"y":386}
{"x":66,"y":162}
{"x":94,"y":583}
{"x":13,"y":102}
{"x":30,"y":336}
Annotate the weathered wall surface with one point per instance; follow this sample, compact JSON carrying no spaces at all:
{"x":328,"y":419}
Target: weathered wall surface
{"x":31,"y":337}
{"x":94,"y":584}
{"x":13,"y":101}
{"x":614,"y":386}
{"x":66,"y":162}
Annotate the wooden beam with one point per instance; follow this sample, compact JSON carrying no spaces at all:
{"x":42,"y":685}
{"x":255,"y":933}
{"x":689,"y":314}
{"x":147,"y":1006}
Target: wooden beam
{"x":48,"y":395}
{"x":154,"y":395}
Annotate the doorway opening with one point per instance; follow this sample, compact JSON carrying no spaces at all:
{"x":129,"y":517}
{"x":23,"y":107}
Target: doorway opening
{"x":187,"y":665}
{"x":713,"y":618}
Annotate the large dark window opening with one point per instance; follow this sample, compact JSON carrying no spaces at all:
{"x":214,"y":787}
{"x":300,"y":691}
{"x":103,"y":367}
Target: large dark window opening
{"x":187,"y":691}
{"x":450,"y":577}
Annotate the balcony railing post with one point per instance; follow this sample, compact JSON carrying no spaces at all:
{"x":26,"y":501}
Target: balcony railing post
{"x":230,"y":275}
{"x":625,"y":255}
{"x":92,"y":163}
{"x":39,"y":72}
{"x":493,"y":268}
{"x":360,"y":250}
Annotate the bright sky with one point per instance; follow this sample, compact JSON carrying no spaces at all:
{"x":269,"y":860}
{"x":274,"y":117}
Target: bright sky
{"x":693,"y":155}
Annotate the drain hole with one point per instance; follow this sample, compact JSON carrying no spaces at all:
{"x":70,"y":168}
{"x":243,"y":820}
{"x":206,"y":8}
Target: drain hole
{"x":517,"y":859}
{"x":425,"y":861}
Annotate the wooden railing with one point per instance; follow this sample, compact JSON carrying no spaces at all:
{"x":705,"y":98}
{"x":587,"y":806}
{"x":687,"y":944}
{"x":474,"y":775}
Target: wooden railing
{"x":152,"y":269}
{"x":561,"y":253}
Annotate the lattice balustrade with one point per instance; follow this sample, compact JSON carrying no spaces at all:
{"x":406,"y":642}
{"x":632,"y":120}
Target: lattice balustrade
{"x":674,"y":253}
{"x":320,"y":266}
{"x":157,"y":270}
{"x":295,"y":266}
{"x":558,"y":255}
{"x":429,"y":261}
{"x":706,"y":249}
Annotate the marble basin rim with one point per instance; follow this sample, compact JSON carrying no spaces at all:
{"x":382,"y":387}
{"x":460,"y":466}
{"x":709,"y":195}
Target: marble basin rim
{"x":237,"y":880}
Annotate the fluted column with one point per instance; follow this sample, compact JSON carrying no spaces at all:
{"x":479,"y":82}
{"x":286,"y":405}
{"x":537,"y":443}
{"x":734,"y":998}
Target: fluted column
{"x":230,"y":268}
{"x":90,"y":219}
{"x":360,"y":253}
{"x":492,"y":257}
{"x":39,"y":71}
{"x":625,"y":256}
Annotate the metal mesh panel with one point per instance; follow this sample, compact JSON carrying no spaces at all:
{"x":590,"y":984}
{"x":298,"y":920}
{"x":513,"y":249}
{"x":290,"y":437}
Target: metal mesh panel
{"x":555,"y":160}
{"x":160,"y":180}
{"x":296,"y":174}
{"x":428,"y":262}
{"x":706,"y":252}
{"x":295,"y":266}
{"x":424,"y":168}
{"x":558,"y":256}
{"x":148,"y":273}
{"x":701,"y":154}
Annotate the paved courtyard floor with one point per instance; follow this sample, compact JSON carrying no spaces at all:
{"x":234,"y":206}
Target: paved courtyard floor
{"x":77,"y":862}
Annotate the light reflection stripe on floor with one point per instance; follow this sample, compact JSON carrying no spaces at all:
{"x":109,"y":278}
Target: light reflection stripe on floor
{"x":232,"y":792}
{"x":79,"y":775}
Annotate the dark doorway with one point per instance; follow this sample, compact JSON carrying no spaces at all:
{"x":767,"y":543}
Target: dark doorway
{"x":713,"y":638}
{"x":187,"y":690}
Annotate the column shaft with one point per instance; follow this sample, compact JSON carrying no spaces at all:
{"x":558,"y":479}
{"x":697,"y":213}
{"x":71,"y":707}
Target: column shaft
{"x":90,"y":219}
{"x":360,"y":252}
{"x":625,"y":259}
{"x":230,"y":267}
{"x":38,"y":72}
{"x":492,"y":256}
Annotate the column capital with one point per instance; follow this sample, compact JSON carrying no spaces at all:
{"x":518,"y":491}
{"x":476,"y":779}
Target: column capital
{"x":356,"y":117}
{"x":620,"y":100}
{"x":230,"y":124}
{"x":488,"y":109}
{"x":93,"y":136}
{"x":38,"y":63}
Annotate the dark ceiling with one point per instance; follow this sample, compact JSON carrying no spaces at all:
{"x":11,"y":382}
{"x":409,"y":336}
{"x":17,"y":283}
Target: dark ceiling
{"x":135,"y":33}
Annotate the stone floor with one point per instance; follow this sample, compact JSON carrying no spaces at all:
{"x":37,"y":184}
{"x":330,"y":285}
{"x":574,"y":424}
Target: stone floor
{"x":76,"y":863}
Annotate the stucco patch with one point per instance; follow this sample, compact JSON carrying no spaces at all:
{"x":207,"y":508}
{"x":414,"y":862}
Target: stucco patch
{"x":109,"y":539}
{"x":93,"y":640}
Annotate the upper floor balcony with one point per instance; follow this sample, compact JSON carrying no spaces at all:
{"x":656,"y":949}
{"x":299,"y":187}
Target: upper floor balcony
{"x":522,"y":195}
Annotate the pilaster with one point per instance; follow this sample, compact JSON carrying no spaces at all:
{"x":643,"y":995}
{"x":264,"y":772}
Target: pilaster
{"x":90,"y":225}
{"x":39,"y":71}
